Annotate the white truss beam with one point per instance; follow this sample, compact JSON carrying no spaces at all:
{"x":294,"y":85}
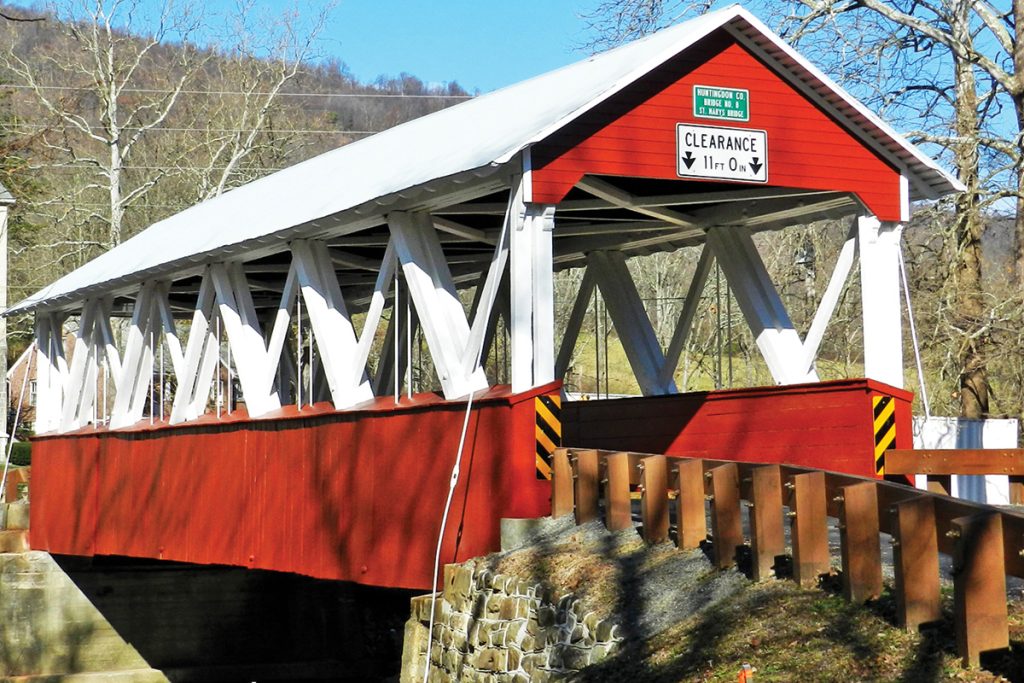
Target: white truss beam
{"x":575,"y":323}
{"x":631,"y":321}
{"x":282,"y":320}
{"x":137,"y":365}
{"x":830,"y":299}
{"x":334,"y":335}
{"x":502,"y":311}
{"x":764,"y":311}
{"x":441,"y":315}
{"x":201,"y":358}
{"x":75,"y":396}
{"x":378,"y":300}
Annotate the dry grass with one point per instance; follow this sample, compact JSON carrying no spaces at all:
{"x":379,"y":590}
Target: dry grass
{"x":785,"y":632}
{"x":791,"y":634}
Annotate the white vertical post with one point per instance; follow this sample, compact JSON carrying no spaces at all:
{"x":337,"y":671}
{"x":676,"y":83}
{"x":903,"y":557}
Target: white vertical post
{"x":51,"y":369}
{"x":879,"y":246}
{"x":532,"y":280}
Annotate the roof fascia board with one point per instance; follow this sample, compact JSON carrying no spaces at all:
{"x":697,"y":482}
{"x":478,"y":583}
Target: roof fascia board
{"x":852,"y":102}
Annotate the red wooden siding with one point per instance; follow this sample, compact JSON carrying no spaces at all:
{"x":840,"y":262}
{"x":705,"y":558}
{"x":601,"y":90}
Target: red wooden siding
{"x":634,"y":132}
{"x":826,"y":425}
{"x":356,"y":496}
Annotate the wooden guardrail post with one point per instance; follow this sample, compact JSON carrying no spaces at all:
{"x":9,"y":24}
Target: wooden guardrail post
{"x":940,"y":483}
{"x":617,"y":506}
{"x":691,"y":522}
{"x":767,"y":536}
{"x":654,"y":498}
{"x":586,"y":463}
{"x":561,"y":483}
{"x":726,"y":525}
{"x":1016,"y":490}
{"x":858,"y":538}
{"x":808,"y":511}
{"x":916,"y":562}
{"x":979,"y":586}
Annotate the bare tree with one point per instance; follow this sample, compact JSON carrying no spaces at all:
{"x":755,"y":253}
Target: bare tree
{"x":131,"y":100}
{"x":267,"y":55}
{"x":91,"y":88}
{"x":982,"y":39}
{"x":614,"y":22}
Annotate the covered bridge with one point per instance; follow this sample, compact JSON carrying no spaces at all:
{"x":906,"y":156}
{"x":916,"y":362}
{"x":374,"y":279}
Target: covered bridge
{"x":701,"y":134}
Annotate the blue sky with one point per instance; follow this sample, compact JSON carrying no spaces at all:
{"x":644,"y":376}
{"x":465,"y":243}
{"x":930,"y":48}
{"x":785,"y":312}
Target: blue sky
{"x":479,"y":43}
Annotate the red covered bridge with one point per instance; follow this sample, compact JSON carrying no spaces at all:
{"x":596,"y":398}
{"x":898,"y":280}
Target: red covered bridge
{"x":234,"y":398}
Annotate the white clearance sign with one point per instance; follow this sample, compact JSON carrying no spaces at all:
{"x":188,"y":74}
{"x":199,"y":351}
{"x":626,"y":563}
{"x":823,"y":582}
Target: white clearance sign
{"x":720,"y":153}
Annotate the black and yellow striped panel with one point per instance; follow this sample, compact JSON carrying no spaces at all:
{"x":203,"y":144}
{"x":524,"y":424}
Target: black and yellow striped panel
{"x":549,"y":431}
{"x":885,"y":429}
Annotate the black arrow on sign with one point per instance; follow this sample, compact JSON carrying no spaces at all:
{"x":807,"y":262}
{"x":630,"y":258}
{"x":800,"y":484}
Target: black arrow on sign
{"x":688,"y":159}
{"x":756,"y":165}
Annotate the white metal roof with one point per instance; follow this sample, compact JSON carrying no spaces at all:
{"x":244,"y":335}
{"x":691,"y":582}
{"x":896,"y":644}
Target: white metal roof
{"x":484,"y":131}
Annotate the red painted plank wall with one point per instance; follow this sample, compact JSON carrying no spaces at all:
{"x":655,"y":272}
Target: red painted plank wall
{"x":355,"y":496}
{"x":827,"y":425}
{"x":633,"y":133}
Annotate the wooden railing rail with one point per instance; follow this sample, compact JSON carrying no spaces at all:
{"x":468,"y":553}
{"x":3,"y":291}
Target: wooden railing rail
{"x":940,"y":464}
{"x":986,"y":543}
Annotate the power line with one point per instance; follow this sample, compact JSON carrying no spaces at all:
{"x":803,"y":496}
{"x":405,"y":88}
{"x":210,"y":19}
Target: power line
{"x":36,"y":126}
{"x":104,"y":170}
{"x":157,"y":91}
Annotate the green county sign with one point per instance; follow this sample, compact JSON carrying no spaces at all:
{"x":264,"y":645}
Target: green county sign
{"x":728,"y":104}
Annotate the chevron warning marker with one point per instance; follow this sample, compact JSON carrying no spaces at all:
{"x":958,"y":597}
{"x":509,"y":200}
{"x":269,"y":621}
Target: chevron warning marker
{"x":548,"y":431}
{"x":885,"y":429}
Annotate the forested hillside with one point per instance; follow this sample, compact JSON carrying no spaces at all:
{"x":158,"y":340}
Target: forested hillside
{"x":109,"y":123}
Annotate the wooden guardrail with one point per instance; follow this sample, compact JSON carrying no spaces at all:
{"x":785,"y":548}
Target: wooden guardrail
{"x":940,"y":464}
{"x":985,"y":543}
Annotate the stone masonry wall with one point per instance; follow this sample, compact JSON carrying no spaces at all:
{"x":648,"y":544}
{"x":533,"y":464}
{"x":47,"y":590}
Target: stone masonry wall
{"x":493,"y":627}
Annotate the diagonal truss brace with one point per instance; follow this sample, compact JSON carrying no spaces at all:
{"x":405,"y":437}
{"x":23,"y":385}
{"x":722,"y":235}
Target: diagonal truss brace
{"x":774,"y":333}
{"x":631,"y":321}
{"x":450,"y":338}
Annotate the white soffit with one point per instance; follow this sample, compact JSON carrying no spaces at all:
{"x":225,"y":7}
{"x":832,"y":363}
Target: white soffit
{"x":484,"y":131}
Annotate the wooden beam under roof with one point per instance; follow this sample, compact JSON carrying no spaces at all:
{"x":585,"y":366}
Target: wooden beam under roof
{"x":623,"y":199}
{"x":653,"y":201}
